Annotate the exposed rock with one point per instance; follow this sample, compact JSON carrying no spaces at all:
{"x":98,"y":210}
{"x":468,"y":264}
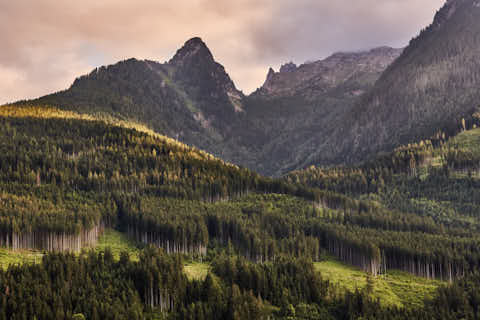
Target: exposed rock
{"x":194,"y":48}
{"x":288,"y":67}
{"x":314,"y":78}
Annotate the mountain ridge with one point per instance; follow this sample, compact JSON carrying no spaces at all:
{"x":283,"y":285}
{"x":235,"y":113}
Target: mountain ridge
{"x":191,"y":98}
{"x":429,"y":87}
{"x":340,"y":110}
{"x":292,"y":78}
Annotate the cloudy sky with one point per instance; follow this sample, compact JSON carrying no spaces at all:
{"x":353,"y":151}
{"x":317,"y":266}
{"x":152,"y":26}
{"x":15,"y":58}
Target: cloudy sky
{"x":45,"y":44}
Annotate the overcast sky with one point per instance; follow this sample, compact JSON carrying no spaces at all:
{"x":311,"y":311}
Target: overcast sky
{"x":46,"y":44}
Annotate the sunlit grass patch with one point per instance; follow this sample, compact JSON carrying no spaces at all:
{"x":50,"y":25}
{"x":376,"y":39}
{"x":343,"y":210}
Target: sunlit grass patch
{"x":197,"y":270}
{"x":396,"y":288}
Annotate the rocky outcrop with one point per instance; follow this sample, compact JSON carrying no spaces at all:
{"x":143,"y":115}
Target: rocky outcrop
{"x":313,"y":79}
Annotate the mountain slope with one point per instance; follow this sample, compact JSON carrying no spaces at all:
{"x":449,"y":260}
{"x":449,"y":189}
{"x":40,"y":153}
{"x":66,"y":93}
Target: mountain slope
{"x":191,"y":98}
{"x":297,"y":105}
{"x":63,"y":178}
{"x":431,"y":86}
{"x":343,"y":109}
{"x":342,"y":69}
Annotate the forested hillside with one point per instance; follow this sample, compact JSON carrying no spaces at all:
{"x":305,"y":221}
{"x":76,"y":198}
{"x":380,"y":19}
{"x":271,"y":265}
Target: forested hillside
{"x":431,"y":86}
{"x":190,"y":98}
{"x":155,"y":288}
{"x":129,"y":174}
{"x":435,"y":180}
{"x":64,"y":177}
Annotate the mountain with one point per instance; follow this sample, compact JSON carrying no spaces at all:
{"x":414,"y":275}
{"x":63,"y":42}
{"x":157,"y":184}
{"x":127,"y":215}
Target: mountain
{"x":191,"y":98}
{"x":299,"y":105}
{"x":339,"y":110}
{"x":205,"y":79}
{"x":313,"y":79}
{"x":430,"y":87}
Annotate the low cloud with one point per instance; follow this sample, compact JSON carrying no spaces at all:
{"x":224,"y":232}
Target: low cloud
{"x":45,"y":44}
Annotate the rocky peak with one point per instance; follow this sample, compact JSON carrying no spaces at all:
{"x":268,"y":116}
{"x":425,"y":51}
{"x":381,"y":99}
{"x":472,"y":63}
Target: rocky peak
{"x":314,"y":78}
{"x":288,"y":67}
{"x":203,"y":79}
{"x":193,"y":49}
{"x":270,"y":74}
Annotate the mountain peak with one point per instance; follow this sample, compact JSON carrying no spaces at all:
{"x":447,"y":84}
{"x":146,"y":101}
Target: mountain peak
{"x":313,"y":79}
{"x":288,"y":67}
{"x":270,"y":74}
{"x":194,"y":48}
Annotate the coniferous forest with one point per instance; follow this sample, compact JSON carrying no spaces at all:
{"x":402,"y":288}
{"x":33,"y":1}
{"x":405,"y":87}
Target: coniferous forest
{"x":65,"y":178}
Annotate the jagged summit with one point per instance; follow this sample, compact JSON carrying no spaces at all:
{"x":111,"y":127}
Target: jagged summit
{"x":194,"y":48}
{"x":288,"y":67}
{"x":313,"y":78}
{"x":205,"y":79}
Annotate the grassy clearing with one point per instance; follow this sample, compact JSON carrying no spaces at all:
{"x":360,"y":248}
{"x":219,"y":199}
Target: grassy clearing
{"x":8,"y":257}
{"x":118,"y":242}
{"x":396,"y":288}
{"x":469,"y":140}
{"x":115,"y":240}
{"x":197,"y":270}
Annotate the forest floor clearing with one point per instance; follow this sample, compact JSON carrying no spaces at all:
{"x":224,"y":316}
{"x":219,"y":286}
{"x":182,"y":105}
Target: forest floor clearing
{"x":8,"y":257}
{"x":396,"y":288}
{"x":197,"y":270}
{"x":118,"y":242}
{"x":115,"y":240}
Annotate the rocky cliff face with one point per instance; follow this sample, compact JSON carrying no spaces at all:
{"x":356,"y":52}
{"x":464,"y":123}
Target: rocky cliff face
{"x":313,"y":79}
{"x":195,"y":68}
{"x":190,"y":98}
{"x":299,"y":107}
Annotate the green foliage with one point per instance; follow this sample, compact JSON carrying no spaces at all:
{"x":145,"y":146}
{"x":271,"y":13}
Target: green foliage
{"x":430,"y":87}
{"x":197,"y":270}
{"x":409,"y":210}
{"x":117,"y":243}
{"x":432,"y":183}
{"x":9,"y":257}
{"x":394,"y":288}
